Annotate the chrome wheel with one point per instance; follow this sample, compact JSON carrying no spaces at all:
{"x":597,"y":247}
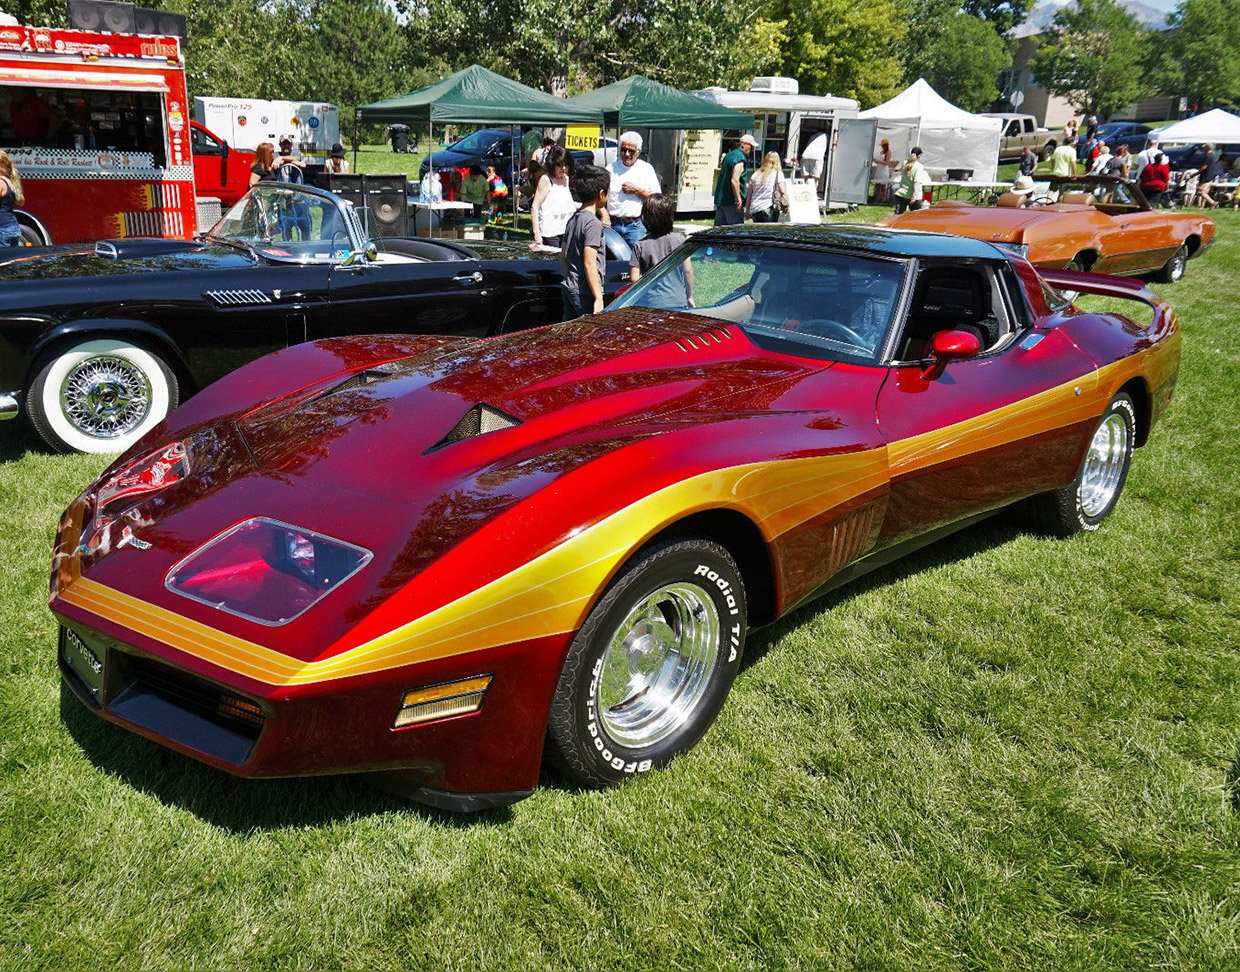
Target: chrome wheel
{"x":1105,"y":463}
{"x":105,"y":396}
{"x":658,"y":664}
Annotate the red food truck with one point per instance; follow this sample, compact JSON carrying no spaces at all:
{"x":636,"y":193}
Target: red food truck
{"x":98,"y":127}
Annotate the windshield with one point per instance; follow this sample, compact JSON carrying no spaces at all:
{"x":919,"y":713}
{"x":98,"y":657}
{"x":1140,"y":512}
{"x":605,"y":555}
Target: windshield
{"x":477,"y":143}
{"x":289,"y":222}
{"x":819,"y":303}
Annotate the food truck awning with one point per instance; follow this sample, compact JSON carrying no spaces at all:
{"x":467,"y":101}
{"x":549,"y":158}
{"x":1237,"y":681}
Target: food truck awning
{"x":113,"y":80}
{"x":638,"y":102}
{"x":476,"y":95}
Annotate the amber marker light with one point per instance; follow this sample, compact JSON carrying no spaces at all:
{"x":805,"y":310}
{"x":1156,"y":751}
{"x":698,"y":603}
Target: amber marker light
{"x":242,"y":709}
{"x":442,"y":701}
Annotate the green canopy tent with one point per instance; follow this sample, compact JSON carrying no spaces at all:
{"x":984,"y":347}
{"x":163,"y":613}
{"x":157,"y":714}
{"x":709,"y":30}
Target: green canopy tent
{"x":638,"y":102}
{"x":475,"y":95}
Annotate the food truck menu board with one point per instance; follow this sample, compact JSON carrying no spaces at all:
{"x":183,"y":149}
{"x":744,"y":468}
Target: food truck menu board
{"x":699,"y":165}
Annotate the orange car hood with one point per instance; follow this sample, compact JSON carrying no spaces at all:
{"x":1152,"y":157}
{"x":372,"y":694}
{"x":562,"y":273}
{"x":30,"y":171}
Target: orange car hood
{"x":980,"y":222}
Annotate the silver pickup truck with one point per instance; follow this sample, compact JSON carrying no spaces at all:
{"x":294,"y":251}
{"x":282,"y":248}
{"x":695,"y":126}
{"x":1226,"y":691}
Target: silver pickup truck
{"x":1022,"y":130}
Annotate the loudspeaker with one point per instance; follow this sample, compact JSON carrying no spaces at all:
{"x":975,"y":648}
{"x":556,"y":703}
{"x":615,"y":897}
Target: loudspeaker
{"x":388,"y":205}
{"x":98,"y":15}
{"x":160,"y":22}
{"x":345,"y":185}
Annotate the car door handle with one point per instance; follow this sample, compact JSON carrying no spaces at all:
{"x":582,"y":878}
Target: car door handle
{"x":468,"y":279}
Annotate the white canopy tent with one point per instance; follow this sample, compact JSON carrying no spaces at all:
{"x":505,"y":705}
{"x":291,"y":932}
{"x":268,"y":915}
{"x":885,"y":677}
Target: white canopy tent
{"x":950,"y":137}
{"x":1215,"y":126}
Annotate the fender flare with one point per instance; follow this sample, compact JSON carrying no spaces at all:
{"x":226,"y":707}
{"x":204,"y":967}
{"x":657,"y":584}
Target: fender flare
{"x":145,"y":333}
{"x":26,"y":218}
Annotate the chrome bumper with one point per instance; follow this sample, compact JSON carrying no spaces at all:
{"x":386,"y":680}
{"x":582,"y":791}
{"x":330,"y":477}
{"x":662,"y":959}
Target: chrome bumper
{"x":8,"y":406}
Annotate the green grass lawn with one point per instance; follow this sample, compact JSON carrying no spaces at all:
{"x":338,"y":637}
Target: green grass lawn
{"x":1006,"y":752}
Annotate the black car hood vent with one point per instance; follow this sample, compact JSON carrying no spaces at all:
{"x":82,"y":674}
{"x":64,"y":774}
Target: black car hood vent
{"x":237,"y":298}
{"x":479,"y":420}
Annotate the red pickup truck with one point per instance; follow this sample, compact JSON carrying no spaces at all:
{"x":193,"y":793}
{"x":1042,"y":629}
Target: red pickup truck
{"x":219,"y":169}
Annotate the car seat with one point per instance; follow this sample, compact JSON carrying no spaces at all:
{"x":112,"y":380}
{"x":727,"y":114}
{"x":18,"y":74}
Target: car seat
{"x":947,"y":298}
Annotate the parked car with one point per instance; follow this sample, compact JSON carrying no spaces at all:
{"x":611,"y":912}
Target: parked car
{"x":98,"y":344}
{"x":435,"y":558}
{"x":489,"y":146}
{"x":1021,"y":130}
{"x":219,"y":169}
{"x":1117,"y":133}
{"x":1098,"y":223}
{"x":1191,"y":157}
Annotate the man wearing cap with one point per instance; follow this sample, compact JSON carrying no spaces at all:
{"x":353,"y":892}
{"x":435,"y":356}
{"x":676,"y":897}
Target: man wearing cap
{"x":286,"y":157}
{"x":730,"y":189}
{"x":632,"y":180}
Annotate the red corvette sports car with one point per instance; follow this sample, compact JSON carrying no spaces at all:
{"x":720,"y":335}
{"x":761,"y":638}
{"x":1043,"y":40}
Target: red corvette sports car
{"x":432,"y":558}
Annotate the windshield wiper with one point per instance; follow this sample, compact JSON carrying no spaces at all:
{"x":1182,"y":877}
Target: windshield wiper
{"x":233,"y":244}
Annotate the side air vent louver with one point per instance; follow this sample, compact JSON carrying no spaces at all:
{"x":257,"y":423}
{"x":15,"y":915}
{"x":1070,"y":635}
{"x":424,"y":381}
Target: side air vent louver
{"x":106,"y":249}
{"x":479,"y":420}
{"x":703,"y":339}
{"x":237,"y":298}
{"x":359,"y":380}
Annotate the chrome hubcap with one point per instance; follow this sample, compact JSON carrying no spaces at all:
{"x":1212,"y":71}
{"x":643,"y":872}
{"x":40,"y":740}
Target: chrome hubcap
{"x":105,"y":396}
{"x":1104,"y":464}
{"x":658,"y":665}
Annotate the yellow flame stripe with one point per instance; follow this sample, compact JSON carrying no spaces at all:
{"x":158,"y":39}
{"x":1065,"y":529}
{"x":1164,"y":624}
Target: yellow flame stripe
{"x":551,"y":594}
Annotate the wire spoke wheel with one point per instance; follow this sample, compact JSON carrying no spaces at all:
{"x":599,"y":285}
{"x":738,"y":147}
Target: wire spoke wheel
{"x":105,"y":396}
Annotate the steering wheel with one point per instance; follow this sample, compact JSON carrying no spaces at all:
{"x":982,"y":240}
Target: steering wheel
{"x":1042,"y":201}
{"x":823,"y":326}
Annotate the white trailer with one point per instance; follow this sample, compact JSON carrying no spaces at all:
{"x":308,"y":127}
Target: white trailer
{"x":245,"y":122}
{"x":786,"y":122}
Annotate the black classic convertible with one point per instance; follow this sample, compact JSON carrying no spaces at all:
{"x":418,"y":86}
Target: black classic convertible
{"x":99,"y":343}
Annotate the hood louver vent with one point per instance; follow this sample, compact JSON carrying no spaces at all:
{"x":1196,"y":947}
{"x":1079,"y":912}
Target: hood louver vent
{"x":479,"y":420}
{"x":237,"y":298}
{"x":703,"y":339}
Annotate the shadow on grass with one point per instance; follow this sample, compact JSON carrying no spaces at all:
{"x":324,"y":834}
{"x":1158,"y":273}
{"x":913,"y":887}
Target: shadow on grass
{"x":1232,"y":782}
{"x":236,"y":804}
{"x":18,"y":439}
{"x":999,"y":529}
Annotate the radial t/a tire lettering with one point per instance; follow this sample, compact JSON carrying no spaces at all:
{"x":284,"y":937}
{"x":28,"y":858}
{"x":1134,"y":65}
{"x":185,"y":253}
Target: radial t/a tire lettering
{"x":650,"y":668}
{"x":1093,"y":494}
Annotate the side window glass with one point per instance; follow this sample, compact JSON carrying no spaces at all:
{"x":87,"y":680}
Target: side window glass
{"x":1014,"y":128}
{"x":1029,"y":126}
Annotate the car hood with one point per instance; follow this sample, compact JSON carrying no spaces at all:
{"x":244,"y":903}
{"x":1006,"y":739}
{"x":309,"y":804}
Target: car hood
{"x":119,"y":257}
{"x":388,"y":457}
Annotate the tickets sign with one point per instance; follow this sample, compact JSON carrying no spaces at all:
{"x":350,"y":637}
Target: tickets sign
{"x":581,"y":137}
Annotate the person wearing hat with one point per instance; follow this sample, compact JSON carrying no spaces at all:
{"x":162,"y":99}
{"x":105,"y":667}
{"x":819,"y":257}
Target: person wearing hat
{"x":885,"y":172}
{"x":632,"y":181}
{"x":1024,"y":188}
{"x":336,"y":162}
{"x":733,"y":181}
{"x":287,"y":157}
{"x":913,"y":181}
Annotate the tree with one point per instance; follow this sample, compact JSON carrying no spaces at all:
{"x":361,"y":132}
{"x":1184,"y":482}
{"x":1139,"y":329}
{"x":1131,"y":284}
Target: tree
{"x":355,"y":52}
{"x":1092,"y":56}
{"x":959,"y":54}
{"x":38,"y":13}
{"x":843,"y":48}
{"x":1199,"y":57}
{"x":566,"y":46}
{"x":1002,"y":14}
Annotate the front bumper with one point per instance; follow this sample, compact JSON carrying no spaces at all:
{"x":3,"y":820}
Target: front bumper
{"x":466,"y":762}
{"x":8,"y":405}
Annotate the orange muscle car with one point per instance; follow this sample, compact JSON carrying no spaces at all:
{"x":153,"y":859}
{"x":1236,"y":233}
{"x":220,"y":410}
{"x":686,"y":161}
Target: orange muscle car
{"x":1097,"y":223}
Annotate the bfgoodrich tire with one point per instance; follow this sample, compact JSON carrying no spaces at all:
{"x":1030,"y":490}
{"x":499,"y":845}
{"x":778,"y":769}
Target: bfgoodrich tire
{"x":649,"y":670}
{"x":1100,"y":480}
{"x":99,"y":395}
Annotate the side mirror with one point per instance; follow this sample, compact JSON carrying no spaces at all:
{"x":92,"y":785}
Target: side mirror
{"x":947,"y":346}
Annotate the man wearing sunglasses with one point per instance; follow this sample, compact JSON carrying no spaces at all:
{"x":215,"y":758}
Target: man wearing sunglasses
{"x":632,"y":180}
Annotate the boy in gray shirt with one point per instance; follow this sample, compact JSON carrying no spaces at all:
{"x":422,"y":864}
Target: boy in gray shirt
{"x":582,"y":254}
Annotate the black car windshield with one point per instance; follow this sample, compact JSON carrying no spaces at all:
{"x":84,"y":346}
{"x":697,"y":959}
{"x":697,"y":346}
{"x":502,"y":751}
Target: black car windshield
{"x":477,"y":143}
{"x":815,"y":302}
{"x":288,"y":223}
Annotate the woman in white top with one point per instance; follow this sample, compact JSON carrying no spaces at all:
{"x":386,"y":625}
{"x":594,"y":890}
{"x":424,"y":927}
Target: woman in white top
{"x":553,"y":202}
{"x":766,"y":191}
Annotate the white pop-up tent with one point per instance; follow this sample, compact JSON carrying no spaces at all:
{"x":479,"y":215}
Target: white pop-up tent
{"x":950,"y":137}
{"x":1215,"y":125}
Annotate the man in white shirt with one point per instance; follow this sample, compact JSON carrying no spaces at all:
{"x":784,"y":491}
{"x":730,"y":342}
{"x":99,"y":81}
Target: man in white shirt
{"x":1145,"y":157}
{"x":632,"y":180}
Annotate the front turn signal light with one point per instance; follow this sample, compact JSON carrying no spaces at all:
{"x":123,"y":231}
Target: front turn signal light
{"x":442,"y":701}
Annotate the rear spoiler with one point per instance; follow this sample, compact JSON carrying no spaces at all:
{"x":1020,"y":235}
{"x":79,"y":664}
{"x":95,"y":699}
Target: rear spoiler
{"x":1103,"y":285}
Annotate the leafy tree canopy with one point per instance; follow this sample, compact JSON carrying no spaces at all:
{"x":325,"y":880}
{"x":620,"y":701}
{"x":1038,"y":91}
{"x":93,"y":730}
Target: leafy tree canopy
{"x":1002,"y":14}
{"x":1092,"y":56}
{"x":959,"y":54}
{"x":1199,"y":57}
